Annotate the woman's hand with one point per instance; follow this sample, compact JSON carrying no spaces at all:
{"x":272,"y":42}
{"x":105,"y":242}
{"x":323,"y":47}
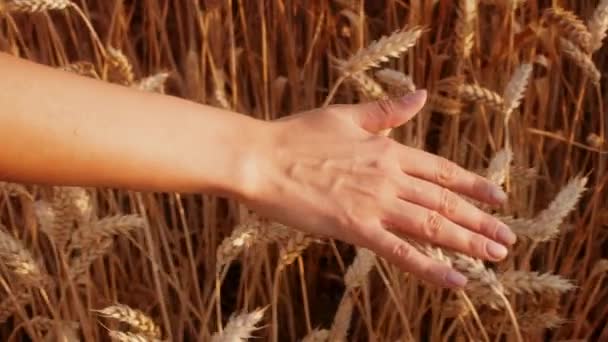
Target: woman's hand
{"x":327,"y":172}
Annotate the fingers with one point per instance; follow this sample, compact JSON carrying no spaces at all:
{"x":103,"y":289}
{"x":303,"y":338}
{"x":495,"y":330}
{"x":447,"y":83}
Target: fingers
{"x":409,"y":259}
{"x":455,"y":208}
{"x":443,"y":172}
{"x":431,"y":226}
{"x":380,"y":115}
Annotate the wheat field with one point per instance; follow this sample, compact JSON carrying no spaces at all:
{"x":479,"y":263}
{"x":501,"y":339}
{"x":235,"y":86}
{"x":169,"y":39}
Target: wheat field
{"x":517,"y":93}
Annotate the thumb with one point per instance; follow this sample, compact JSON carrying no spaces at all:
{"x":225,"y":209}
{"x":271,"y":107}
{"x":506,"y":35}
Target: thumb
{"x":385,"y":114}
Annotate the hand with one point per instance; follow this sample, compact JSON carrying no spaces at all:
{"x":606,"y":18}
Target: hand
{"x":327,"y":172}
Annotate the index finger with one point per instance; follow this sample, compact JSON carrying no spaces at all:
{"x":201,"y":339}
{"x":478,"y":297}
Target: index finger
{"x":447,"y":174}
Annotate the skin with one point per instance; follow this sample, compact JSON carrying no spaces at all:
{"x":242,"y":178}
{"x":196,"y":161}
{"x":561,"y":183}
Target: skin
{"x":336,"y":177}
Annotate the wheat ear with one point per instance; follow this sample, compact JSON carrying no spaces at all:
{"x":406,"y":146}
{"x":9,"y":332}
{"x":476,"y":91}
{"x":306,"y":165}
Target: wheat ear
{"x":16,"y":258}
{"x":499,"y":166}
{"x":445,"y":105}
{"x":581,"y":59}
{"x":357,"y":272}
{"x":396,"y":79}
{"x":518,"y":282}
{"x":129,"y":337}
{"x":465,"y":28}
{"x":79,"y":265}
{"x":33,"y":6}
{"x":368,"y":87}
{"x":14,"y":189}
{"x":105,"y":228}
{"x":119,"y":69}
{"x":546,"y":224}
{"x":515,"y":89}
{"x":240,"y":327}
{"x":573,"y":28}
{"x":293,"y":249}
{"x":136,"y":319}
{"x":154,"y":83}
{"x":475,"y":93}
{"x":598,"y":24}
{"x":86,"y":69}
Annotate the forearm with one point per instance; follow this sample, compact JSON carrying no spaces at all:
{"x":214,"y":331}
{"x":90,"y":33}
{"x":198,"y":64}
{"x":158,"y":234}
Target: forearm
{"x":65,"y":129}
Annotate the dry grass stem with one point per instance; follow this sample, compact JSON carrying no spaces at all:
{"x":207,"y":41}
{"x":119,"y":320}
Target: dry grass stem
{"x":33,"y":6}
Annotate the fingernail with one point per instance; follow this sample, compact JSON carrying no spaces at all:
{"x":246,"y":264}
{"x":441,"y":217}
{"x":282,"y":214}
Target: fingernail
{"x":496,"y":250}
{"x":505,"y":235}
{"x":415,"y":97}
{"x":498,"y":194}
{"x":455,"y":279}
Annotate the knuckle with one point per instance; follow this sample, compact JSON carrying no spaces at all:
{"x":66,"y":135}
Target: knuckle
{"x":433,"y":225}
{"x":446,"y":171}
{"x":477,"y":245}
{"x":402,"y":252}
{"x":448,"y":202}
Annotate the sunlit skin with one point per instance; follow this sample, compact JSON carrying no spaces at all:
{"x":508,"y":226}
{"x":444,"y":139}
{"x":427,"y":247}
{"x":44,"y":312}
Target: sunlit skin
{"x":326,"y":171}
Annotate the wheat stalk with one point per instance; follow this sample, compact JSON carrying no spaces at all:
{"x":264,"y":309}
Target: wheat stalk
{"x":598,"y":24}
{"x":136,"y":319}
{"x":240,"y":327}
{"x":341,"y":323}
{"x":515,"y":89}
{"x":581,"y":59}
{"x":9,"y":306}
{"x":574,"y":29}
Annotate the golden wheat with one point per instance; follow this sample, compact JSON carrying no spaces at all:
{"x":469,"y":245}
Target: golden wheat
{"x":134,"y":318}
{"x":570,"y":24}
{"x":581,"y":59}
{"x":33,"y":6}
{"x":598,"y":24}
{"x":240,"y":327}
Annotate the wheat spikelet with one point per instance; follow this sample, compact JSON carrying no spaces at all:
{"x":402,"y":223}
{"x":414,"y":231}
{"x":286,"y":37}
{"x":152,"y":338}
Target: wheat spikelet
{"x":356,"y":274}
{"x":396,"y":79}
{"x":483,"y":282}
{"x":569,"y":23}
{"x":247,"y":234}
{"x":16,"y":258}
{"x":529,"y":320}
{"x":105,"y":228}
{"x":81,"y":263}
{"x":499,"y":166}
{"x":136,"y":319}
{"x":69,"y":205}
{"x":341,"y":323}
{"x":33,"y":6}
{"x":475,"y":93}
{"x":82,"y":68}
{"x":14,"y":189}
{"x":240,"y":327}
{"x":445,"y":105}
{"x":514,"y":92}
{"x":8,"y":307}
{"x":368,"y":87}
{"x":465,"y":28}
{"x":119,"y":69}
{"x":293,"y":249}
{"x":518,"y":282}
{"x":598,"y":24}
{"x":581,"y":59}
{"x":380,"y":51}
{"x":129,"y":337}
{"x":546,"y":224}
{"x":154,"y":83}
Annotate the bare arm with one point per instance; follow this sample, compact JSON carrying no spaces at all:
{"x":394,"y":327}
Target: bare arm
{"x":324,"y":171}
{"x":60,"y":128}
